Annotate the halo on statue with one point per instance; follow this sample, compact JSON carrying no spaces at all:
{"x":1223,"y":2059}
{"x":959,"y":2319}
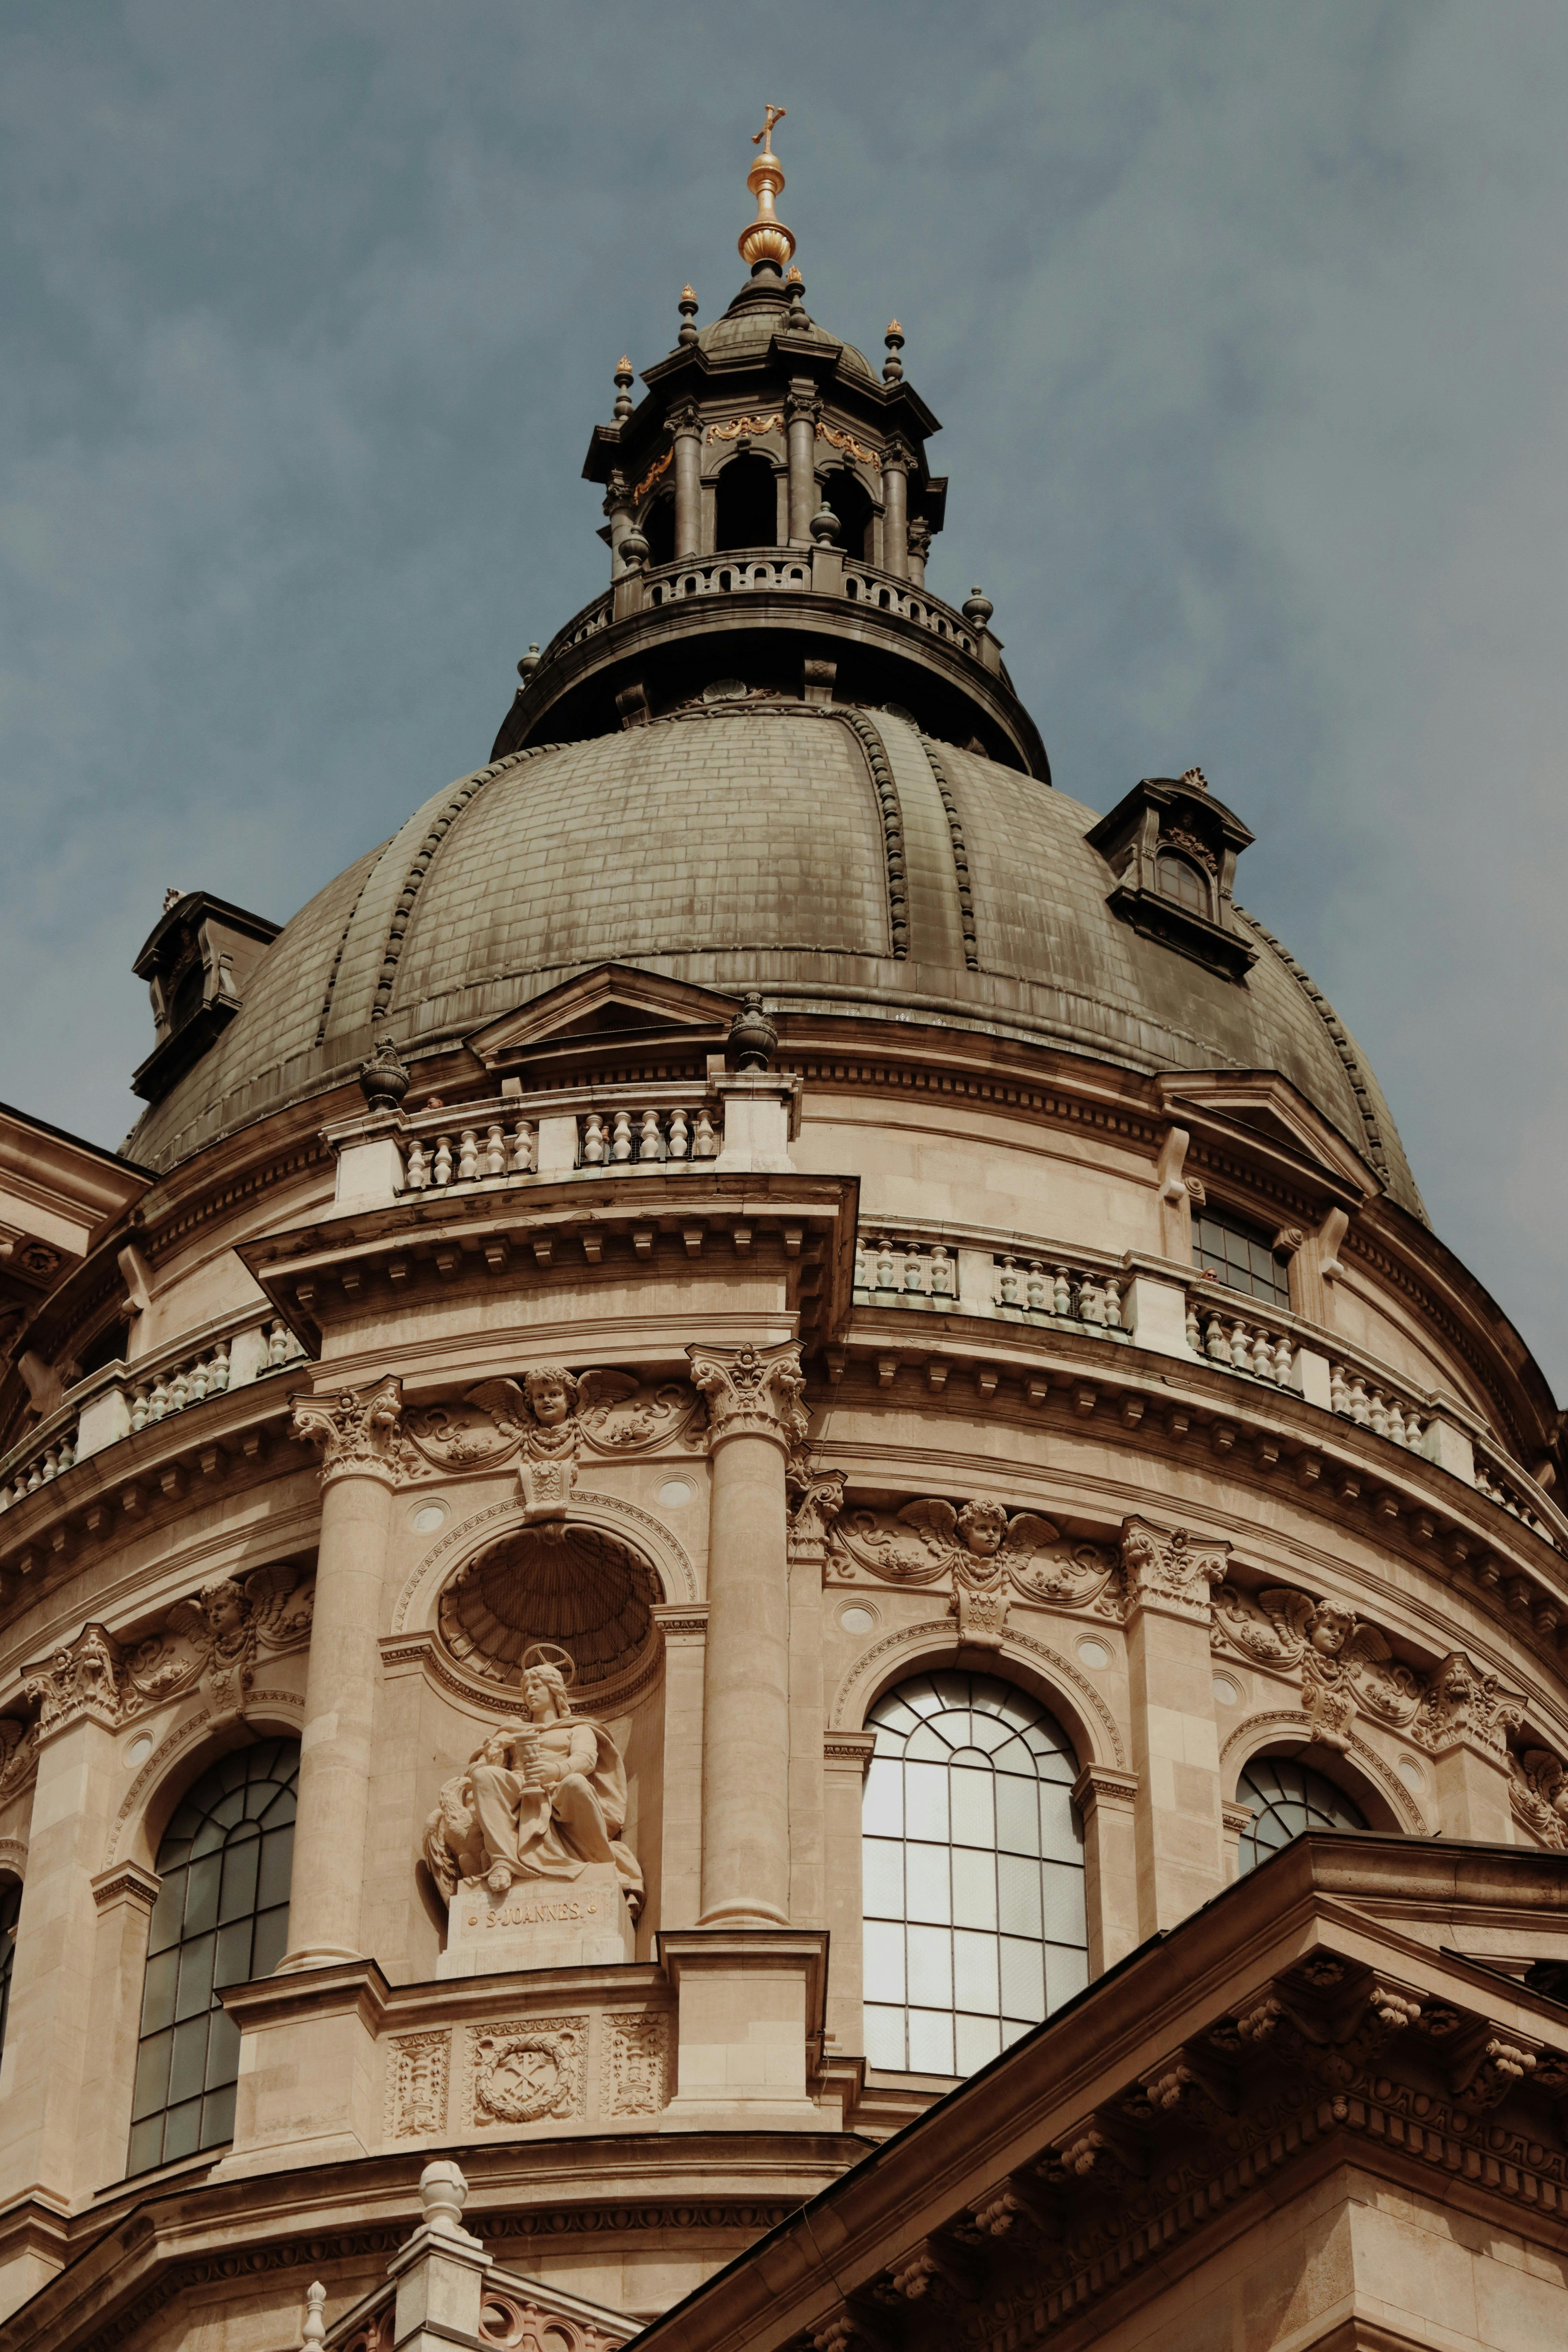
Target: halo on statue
{"x":549,"y":1653}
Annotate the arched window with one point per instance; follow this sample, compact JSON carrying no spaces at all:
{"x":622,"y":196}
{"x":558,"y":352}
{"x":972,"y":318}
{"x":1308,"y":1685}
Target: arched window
{"x":221,"y":1918}
{"x":747,"y":513}
{"x":973,"y":1860}
{"x":845,"y":495}
{"x":10,"y":1910}
{"x":659,"y":529}
{"x":1177,"y":878}
{"x":1287,"y":1797}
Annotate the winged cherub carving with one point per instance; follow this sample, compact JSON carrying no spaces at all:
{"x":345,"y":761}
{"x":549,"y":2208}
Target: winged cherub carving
{"x":982,"y":1546}
{"x":219,"y":1636}
{"x":1539,"y":1786}
{"x":1344,"y":1660}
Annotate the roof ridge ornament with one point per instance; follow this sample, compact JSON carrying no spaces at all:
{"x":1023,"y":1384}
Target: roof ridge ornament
{"x":767,"y":239}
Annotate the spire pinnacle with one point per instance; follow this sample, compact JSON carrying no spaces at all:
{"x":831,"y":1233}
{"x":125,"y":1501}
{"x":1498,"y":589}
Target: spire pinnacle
{"x":767,"y":239}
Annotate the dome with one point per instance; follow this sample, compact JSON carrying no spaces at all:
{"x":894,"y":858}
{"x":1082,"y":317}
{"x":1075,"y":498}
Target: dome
{"x":742,"y":843}
{"x":744,"y":334}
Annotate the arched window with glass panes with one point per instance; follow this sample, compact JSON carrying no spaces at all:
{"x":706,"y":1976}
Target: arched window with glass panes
{"x":971,"y":1855}
{"x":1286,"y":1798}
{"x":221,"y":1918}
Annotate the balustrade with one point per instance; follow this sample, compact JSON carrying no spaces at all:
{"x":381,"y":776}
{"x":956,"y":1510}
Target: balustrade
{"x":625,"y":1134}
{"x":907,"y":1272}
{"x":1221,"y":1334}
{"x":1057,"y":1292}
{"x":1511,"y":1492}
{"x":1359,"y":1397}
{"x":170,"y":1383}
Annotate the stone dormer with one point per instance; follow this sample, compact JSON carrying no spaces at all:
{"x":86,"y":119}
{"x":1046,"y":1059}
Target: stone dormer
{"x":197,"y":965}
{"x":1173,"y":849}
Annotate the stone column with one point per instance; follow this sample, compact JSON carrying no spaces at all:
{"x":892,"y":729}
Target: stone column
{"x":800,"y":408}
{"x":355,"y":1432}
{"x":53,"y":2030}
{"x":755,"y":1418}
{"x":817,"y":1496}
{"x":1106,"y":1801}
{"x":619,"y":515}
{"x":1179,"y":1831}
{"x":896,"y":513}
{"x":687,"y":426}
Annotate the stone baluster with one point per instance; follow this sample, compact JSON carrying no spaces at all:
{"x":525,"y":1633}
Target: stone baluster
{"x":1061,"y":1292}
{"x":704,"y":1142}
{"x":1007,"y":1283}
{"x":522,"y":1148}
{"x":356,"y":1432}
{"x":755,"y":1418}
{"x":417,"y":1175}
{"x":621,"y":1140}
{"x":941,"y":1273}
{"x":679,"y":1136}
{"x":886,"y":1267}
{"x":650,"y":1145}
{"x":441,"y":1171}
{"x":495,"y":1151}
{"x":595,"y":1146}
{"x":914,"y":1269}
{"x":862,"y":1269}
{"x":468,"y":1155}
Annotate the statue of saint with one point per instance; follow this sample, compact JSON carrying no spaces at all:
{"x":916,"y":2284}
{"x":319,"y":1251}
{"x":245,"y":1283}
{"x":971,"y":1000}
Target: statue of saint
{"x":538,"y":1799}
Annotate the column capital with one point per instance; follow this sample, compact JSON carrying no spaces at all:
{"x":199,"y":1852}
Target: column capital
{"x":81,"y":1681}
{"x":1168,"y":1572}
{"x":752,"y":1392}
{"x":815,"y":1500}
{"x":356,"y":1429}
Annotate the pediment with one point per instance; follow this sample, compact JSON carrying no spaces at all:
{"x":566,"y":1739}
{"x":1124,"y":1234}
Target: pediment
{"x":613,"y":1002}
{"x":1273,"y":1109}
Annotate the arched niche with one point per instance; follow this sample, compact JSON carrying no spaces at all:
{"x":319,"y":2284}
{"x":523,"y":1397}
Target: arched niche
{"x":1358,"y":1771}
{"x":416,"y":1604}
{"x":1033,"y":1664}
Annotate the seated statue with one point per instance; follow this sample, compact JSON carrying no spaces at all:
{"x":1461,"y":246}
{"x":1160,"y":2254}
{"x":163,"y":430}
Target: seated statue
{"x":538,"y":1799}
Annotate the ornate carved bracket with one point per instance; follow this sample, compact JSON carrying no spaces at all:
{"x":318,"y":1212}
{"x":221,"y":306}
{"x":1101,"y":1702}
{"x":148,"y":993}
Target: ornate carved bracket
{"x":1166,"y":1570}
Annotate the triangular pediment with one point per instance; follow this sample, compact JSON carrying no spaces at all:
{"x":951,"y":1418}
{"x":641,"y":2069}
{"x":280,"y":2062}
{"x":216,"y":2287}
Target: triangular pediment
{"x":613,"y":1002}
{"x":1271,"y":1108}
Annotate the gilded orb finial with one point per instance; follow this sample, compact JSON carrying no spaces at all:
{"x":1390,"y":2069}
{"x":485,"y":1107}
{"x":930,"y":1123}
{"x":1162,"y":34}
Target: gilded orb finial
{"x":767,"y":239}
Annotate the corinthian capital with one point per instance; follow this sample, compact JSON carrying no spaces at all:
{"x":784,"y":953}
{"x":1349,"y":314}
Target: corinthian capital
{"x":752,"y":1392}
{"x":1167,"y":1570}
{"x":356,"y":1429}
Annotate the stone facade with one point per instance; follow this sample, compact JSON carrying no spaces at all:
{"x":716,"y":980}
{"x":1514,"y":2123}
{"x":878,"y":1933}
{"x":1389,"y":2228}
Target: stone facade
{"x":523,"y":1410}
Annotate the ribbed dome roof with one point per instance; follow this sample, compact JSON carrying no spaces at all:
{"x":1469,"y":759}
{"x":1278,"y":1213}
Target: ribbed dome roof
{"x":743,"y":844}
{"x":746,"y":333}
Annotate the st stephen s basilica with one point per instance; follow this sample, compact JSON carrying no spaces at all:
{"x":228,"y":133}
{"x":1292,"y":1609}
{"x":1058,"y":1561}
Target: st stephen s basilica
{"x":760,"y":1586}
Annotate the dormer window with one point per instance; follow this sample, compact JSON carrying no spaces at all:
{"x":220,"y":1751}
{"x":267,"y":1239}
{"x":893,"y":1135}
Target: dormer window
{"x":1241,"y":1255}
{"x":1177,"y":878}
{"x":198,"y":966}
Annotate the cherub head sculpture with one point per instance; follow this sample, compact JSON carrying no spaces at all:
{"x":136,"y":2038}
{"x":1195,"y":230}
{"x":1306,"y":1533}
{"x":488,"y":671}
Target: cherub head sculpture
{"x":551,"y":1393}
{"x":983,"y":1527}
{"x":224,"y":1605}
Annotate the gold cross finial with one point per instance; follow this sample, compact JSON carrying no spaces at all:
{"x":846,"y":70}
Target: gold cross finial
{"x":767,"y":239}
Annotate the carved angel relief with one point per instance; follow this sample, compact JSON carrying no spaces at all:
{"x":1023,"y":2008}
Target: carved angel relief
{"x":1539,"y":1788}
{"x":546,"y":1421}
{"x":1346,"y":1665}
{"x":217,"y":1638}
{"x":988,"y":1554}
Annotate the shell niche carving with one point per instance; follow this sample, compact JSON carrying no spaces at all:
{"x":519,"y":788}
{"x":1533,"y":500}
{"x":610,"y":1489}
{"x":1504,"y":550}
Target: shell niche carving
{"x":573,"y":1585}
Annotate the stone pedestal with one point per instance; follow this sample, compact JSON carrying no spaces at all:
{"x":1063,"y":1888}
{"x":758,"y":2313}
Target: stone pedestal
{"x":540,"y":1923}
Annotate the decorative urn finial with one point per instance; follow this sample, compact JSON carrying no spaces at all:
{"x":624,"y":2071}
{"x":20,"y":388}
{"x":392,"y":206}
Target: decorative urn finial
{"x":893,"y":366}
{"x":383,"y":1080}
{"x":977,"y":608}
{"x":751,"y":1035}
{"x":767,"y":239}
{"x":798,"y":321}
{"x":824,"y":525}
{"x":686,"y":306}
{"x":623,"y":391}
{"x":1195,"y":776}
{"x":529,"y":664}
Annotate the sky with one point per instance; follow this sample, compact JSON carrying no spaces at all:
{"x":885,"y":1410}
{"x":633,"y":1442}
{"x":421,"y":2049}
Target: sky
{"x":1246,"y":321}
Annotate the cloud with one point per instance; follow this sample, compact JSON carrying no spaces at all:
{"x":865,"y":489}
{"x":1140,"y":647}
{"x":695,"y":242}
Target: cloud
{"x":1247,"y":324}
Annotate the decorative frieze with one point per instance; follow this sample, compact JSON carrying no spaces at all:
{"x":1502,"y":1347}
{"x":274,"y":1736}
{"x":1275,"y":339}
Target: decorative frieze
{"x":545,"y":1422}
{"x":1348,"y":1666}
{"x":82,"y":1679}
{"x":635,"y":2063}
{"x":525,"y":2070}
{"x":217,"y":1638}
{"x":417,"y":2070}
{"x":984,"y":1554}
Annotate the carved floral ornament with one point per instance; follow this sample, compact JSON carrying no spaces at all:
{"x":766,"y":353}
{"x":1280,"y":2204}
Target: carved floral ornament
{"x":214,"y":1640}
{"x":753,"y":1393}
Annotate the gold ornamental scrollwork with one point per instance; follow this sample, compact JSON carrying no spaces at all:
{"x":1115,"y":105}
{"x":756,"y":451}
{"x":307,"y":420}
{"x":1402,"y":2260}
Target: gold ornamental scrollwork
{"x":736,"y":428}
{"x":837,"y":438}
{"x":660,"y":465}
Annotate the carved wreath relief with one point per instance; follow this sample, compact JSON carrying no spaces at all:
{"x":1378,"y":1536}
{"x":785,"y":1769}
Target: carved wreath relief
{"x":524,"y":2070}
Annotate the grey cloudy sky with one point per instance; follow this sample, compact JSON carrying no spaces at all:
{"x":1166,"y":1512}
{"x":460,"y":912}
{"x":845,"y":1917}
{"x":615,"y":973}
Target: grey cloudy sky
{"x":1246,"y":321}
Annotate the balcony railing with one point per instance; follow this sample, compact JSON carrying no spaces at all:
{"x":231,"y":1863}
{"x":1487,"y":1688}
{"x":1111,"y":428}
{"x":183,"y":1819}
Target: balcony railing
{"x":122,"y":1400}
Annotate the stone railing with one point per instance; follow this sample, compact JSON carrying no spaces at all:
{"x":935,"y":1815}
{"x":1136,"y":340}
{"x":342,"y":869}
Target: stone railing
{"x":119,"y":1401}
{"x":620,"y":1130}
{"x":726,"y":576}
{"x":885,"y":593}
{"x":1052,"y":1290}
{"x":1373,"y":1401}
{"x":1513,"y":1492}
{"x":1226,"y":1328}
{"x":905,"y":1273}
{"x":745,"y":570}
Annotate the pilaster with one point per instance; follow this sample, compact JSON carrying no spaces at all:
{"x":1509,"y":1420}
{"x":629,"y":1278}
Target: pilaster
{"x":1175,"y":1739}
{"x":685,"y":1627}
